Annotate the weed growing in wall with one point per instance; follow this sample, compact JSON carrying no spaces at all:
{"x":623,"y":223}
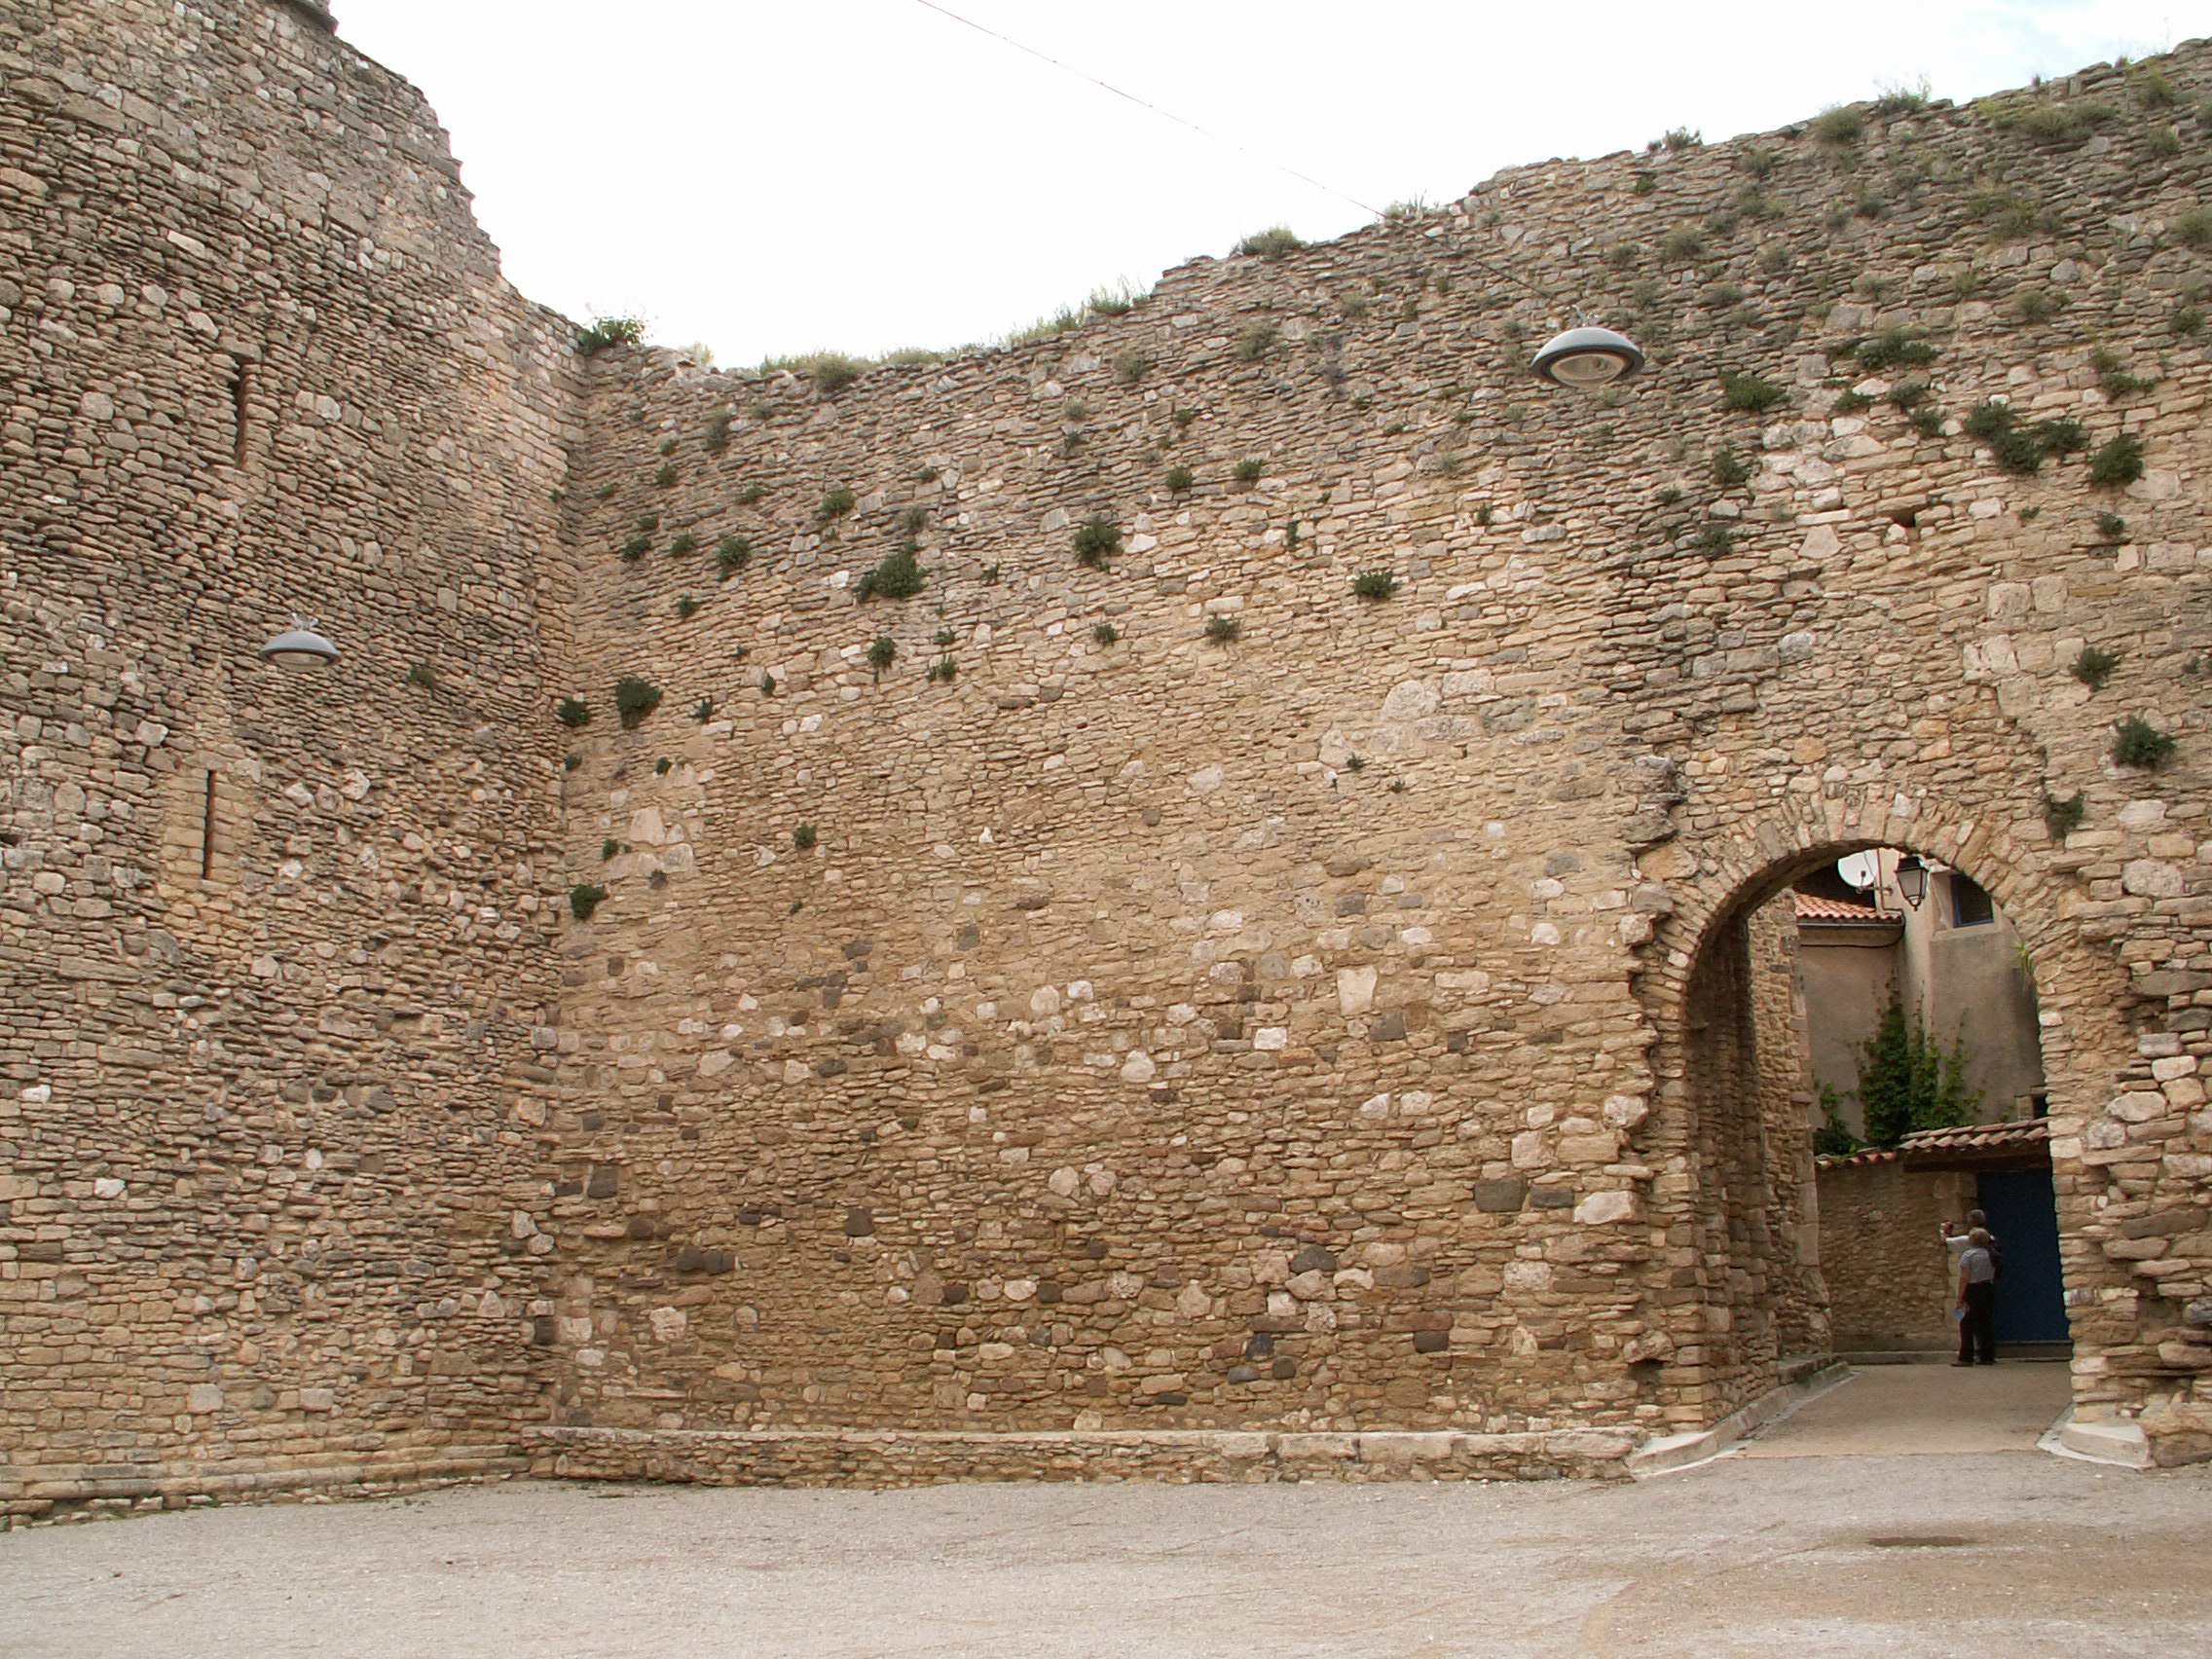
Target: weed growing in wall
{"x":2113,"y":377}
{"x":2136,"y":742}
{"x":1894,"y":347}
{"x":572,"y":712}
{"x":732,"y":556}
{"x":583,"y":900}
{"x":1129,"y":367}
{"x":2116,"y":462}
{"x":1749,"y":394}
{"x":602,"y":332}
{"x":1838,"y":128}
{"x":2095,"y":666}
{"x":830,"y":371}
{"x":2194,"y":229}
{"x":1106,"y":634}
{"x":1730,"y":470}
{"x":1252,"y":342}
{"x":636,"y":547}
{"x":1180,"y":479}
{"x":683,"y":543}
{"x":718,"y":423}
{"x":751,"y":494}
{"x":836,"y":505}
{"x":2063,"y":817}
{"x":803,"y":837}
{"x":688,"y":607}
{"x":425,"y":675}
{"x":1374,"y":586}
{"x":1224,"y":630}
{"x":942,"y":671}
{"x":1248,"y":471}
{"x":1899,"y":100}
{"x":705,"y":712}
{"x":1096,"y":540}
{"x":634,"y":700}
{"x":2112,"y":527}
{"x":1273,"y":242}
{"x":896,"y":575}
{"x":882,"y":652}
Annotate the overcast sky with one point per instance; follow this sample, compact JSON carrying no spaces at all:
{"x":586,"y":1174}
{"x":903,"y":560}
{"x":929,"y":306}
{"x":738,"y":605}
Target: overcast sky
{"x":865,"y":175}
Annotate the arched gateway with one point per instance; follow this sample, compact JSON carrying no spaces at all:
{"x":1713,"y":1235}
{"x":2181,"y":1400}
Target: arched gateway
{"x":1163,"y":900}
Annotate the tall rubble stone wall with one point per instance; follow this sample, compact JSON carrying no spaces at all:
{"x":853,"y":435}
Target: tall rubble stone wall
{"x":1183,"y":995}
{"x":272,"y":943}
{"x":1170,"y":1012}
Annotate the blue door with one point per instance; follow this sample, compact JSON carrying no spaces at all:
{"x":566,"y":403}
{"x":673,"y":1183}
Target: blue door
{"x":2031,"y":1296}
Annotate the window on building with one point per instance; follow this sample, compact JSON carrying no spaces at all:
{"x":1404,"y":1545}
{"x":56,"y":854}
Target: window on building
{"x":1971,"y":905}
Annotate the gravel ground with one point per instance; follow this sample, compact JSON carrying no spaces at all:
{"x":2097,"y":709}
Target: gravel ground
{"x":2011,"y":1553}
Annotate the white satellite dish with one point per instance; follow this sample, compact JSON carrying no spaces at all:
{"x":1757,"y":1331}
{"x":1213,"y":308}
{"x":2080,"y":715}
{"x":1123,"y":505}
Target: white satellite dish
{"x":1861,"y":870}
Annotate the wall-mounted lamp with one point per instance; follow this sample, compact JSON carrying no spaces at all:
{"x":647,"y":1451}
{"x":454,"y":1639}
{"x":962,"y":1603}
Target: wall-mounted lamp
{"x":299,"y":647}
{"x":1912,"y":879}
{"x":1588,"y":356}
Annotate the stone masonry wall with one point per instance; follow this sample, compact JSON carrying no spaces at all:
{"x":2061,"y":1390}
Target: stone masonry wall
{"x":1166,"y":1012}
{"x":1890,"y":1281}
{"x":272,"y":943}
{"x":1183,"y":994}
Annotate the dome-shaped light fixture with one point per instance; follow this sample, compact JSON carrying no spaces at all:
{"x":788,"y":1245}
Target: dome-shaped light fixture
{"x":299,"y":647}
{"x":1588,"y":356}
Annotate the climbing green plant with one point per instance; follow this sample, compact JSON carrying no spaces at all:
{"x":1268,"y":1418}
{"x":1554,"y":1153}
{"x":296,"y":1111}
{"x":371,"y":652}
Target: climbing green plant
{"x":1907,"y":1080}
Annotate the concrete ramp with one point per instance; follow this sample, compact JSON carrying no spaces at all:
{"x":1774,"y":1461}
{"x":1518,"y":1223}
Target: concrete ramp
{"x":1902,"y":1410}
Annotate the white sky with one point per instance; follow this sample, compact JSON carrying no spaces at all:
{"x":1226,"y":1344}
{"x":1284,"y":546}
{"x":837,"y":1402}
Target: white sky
{"x":863,"y":175}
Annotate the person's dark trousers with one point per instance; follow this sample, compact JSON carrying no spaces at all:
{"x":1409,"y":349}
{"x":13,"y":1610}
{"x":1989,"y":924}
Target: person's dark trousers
{"x":1978,"y":1331}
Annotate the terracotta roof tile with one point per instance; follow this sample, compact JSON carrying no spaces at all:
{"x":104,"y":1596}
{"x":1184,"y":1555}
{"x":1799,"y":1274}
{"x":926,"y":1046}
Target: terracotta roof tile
{"x":1816,"y":910}
{"x":2026,"y":1131}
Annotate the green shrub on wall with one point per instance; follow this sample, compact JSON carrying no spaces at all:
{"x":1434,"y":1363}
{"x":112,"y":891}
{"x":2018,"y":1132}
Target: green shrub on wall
{"x":634,"y":700}
{"x":1907,"y":1080}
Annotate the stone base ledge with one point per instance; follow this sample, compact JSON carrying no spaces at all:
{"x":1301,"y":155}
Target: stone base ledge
{"x":906,"y":1457}
{"x":2117,"y":1440}
{"x":1803,"y":1379}
{"x":29,"y":1491}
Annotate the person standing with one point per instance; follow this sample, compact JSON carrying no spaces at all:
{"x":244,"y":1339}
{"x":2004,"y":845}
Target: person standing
{"x":1977,"y":1300}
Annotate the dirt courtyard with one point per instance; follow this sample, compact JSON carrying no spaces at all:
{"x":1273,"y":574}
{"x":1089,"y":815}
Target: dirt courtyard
{"x":1842,"y":1548}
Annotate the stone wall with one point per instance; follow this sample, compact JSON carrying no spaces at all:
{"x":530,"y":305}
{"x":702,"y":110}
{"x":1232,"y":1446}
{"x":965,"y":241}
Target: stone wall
{"x":272,"y":944}
{"x":1211,"y":998}
{"x":1890,"y":1283}
{"x":1075,"y":1006}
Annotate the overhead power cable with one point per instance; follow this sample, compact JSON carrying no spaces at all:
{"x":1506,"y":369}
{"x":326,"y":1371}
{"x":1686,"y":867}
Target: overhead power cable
{"x":1513,"y":277}
{"x":1144,"y":103}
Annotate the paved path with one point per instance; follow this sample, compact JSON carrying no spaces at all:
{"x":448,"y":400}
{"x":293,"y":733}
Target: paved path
{"x":1909,"y":1410}
{"x":2010,"y":1553}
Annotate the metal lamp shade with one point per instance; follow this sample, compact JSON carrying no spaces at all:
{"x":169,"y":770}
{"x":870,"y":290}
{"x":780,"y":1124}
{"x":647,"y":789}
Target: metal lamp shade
{"x":300,"y":647}
{"x":1588,"y":356}
{"x":1912,"y":879}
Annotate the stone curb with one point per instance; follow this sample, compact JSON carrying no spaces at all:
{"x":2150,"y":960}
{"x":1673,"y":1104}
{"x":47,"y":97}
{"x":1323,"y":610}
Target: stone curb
{"x":922,"y":1457}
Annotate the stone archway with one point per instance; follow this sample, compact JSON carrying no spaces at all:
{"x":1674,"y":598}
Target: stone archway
{"x":1744,"y":1290}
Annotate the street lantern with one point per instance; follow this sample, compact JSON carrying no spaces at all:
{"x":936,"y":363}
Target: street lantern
{"x":1588,"y":357}
{"x":1912,"y":879}
{"x":299,"y":647}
